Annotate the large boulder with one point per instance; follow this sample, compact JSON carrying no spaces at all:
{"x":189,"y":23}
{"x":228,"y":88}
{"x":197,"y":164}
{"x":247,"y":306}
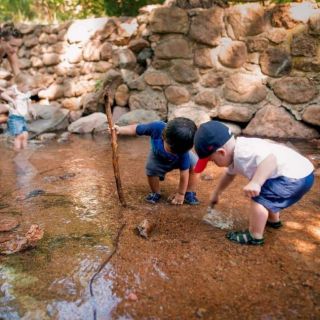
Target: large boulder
{"x":276,"y":122}
{"x":92,"y":123}
{"x":173,"y":47}
{"x":236,"y":113}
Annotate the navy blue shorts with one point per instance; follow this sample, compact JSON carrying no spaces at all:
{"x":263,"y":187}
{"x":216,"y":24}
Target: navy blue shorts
{"x":16,"y":125}
{"x":158,"y":168}
{"x":282,"y":192}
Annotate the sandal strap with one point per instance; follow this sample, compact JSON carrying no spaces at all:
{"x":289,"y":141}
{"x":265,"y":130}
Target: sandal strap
{"x":244,"y":237}
{"x":275,"y":225}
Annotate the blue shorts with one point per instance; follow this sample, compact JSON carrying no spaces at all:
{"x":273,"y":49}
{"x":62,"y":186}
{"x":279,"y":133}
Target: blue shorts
{"x":158,"y":168}
{"x":282,"y":192}
{"x":16,"y":125}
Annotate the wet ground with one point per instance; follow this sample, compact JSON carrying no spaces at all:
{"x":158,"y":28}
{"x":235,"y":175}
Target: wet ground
{"x":92,"y":265}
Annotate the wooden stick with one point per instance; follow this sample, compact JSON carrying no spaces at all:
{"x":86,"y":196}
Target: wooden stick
{"x":115,"y":157}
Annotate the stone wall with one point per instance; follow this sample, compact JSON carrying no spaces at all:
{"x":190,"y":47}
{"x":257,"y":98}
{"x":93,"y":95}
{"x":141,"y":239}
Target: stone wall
{"x":253,"y":66}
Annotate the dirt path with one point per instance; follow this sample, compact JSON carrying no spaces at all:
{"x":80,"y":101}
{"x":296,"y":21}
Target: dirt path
{"x":189,"y":270}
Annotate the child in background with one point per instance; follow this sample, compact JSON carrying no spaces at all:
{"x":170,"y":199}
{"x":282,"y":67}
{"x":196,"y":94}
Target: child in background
{"x":19,"y":108}
{"x":278,"y":176}
{"x":170,"y":149}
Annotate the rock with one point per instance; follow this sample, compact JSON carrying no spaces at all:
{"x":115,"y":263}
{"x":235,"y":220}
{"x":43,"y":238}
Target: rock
{"x":149,"y":100}
{"x":295,"y":89}
{"x":236,"y":113}
{"x":312,"y":114}
{"x":137,"y":83}
{"x":118,"y":112}
{"x":7,"y":224}
{"x":217,"y":219}
{"x":212,"y":79}
{"x":245,"y":20}
{"x":183,"y":72}
{"x":173,"y":47}
{"x":106,"y":51}
{"x":275,"y":62}
{"x":73,"y":54}
{"x":244,"y":88}
{"x":124,"y":58}
{"x":72,"y":104}
{"x":145,"y":228}
{"x":91,"y":51}
{"x":94,"y":122}
{"x":177,"y":94}
{"x":132,"y":296}
{"x":307,"y":64}
{"x":92,"y":102}
{"x":122,"y":95}
{"x":144,"y":57}
{"x":314,"y":23}
{"x":169,"y":20}
{"x":233,"y":54}
{"x":195,"y":113}
{"x":138,"y":116}
{"x":203,"y":58}
{"x":54,"y":92}
{"x":47,"y":136}
{"x":277,"y":35}
{"x":157,"y":78}
{"x":50,"y":59}
{"x":257,"y":44}
{"x":303,"y":45}
{"x":136,"y":45}
{"x":207,"y":98}
{"x":207,"y":25}
{"x":276,"y":122}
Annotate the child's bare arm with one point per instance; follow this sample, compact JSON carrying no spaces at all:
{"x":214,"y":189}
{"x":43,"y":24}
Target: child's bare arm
{"x":129,"y":130}
{"x":178,"y":197}
{"x":263,"y":172}
{"x":223,"y":183}
{"x":7,"y":97}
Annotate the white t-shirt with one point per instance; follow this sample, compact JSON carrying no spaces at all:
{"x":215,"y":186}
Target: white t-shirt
{"x":250,"y":152}
{"x":21,"y":106}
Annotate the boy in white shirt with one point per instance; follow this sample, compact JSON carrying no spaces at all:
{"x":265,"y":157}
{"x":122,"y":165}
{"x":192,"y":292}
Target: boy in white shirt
{"x":278,"y":176}
{"x":19,"y":109}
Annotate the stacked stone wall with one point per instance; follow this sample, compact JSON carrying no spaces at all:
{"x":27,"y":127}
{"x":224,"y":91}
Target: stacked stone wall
{"x":252,"y":66}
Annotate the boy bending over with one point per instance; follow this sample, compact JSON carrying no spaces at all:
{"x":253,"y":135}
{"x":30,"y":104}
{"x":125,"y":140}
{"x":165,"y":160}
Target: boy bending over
{"x":278,"y":176}
{"x":170,"y":149}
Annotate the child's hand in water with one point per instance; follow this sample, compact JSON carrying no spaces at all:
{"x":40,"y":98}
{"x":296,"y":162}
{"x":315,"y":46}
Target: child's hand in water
{"x":176,"y":198}
{"x":252,"y":189}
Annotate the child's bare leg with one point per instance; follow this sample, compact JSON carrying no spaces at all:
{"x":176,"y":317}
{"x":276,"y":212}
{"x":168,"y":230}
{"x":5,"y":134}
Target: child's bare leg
{"x":274,"y":217}
{"x":24,"y":140}
{"x":258,"y":219}
{"x":154,"y":184}
{"x":193,"y":180}
{"x":18,"y":142}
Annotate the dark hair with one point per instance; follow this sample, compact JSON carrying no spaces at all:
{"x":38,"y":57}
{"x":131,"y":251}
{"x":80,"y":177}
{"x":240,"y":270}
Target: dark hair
{"x":179,"y":134}
{"x":9,"y":30}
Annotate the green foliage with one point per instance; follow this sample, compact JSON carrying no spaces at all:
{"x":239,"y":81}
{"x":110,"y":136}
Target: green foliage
{"x":126,"y":7}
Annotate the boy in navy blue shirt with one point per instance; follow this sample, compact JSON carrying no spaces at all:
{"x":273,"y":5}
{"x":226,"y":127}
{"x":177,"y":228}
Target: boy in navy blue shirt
{"x":170,"y":149}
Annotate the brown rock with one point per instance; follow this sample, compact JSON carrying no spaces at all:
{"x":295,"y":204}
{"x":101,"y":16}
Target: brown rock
{"x":36,"y":62}
{"x":124,"y":58}
{"x":207,"y":25}
{"x":257,"y":44}
{"x":203,"y":58}
{"x":106,"y":51}
{"x":276,"y":122}
{"x":30,"y":41}
{"x":91,"y":51}
{"x":245,"y":20}
{"x":307,"y":64}
{"x":281,"y":17}
{"x":212,"y":79}
{"x":177,"y":94}
{"x":169,"y":20}
{"x":183,"y":72}
{"x":136,"y":45}
{"x":275,"y":62}
{"x":277,"y":35}
{"x":235,"y":113}
{"x":233,"y":55}
{"x":73,"y":104}
{"x":312,"y":114}
{"x":54,"y":92}
{"x":173,"y":47}
{"x":303,"y":45}
{"x":244,"y":88}
{"x":145,"y":228}
{"x":295,"y":90}
{"x":122,"y":95}
{"x":314,"y":24}
{"x":157,"y":78}
{"x":207,"y":98}
{"x":50,"y":59}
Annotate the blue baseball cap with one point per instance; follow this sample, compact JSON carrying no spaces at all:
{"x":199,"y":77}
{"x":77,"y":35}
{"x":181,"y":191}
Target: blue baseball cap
{"x":210,"y":136}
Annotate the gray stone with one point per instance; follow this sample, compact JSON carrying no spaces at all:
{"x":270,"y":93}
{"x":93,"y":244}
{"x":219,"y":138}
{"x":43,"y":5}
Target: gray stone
{"x":118,"y":112}
{"x":92,"y":123}
{"x":138,"y":116}
{"x":173,"y":47}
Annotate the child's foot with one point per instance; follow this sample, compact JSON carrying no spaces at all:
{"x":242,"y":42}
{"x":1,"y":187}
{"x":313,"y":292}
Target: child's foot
{"x":153,"y":197}
{"x":244,"y":237}
{"x":190,"y":198}
{"x":274,"y":225}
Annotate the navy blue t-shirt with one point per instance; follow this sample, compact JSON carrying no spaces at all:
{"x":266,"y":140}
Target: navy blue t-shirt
{"x":154,"y":130}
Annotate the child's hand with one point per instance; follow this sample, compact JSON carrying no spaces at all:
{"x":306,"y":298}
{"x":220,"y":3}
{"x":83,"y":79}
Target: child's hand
{"x":252,"y":189}
{"x":214,"y":199}
{"x":176,"y":198}
{"x":116,"y":128}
